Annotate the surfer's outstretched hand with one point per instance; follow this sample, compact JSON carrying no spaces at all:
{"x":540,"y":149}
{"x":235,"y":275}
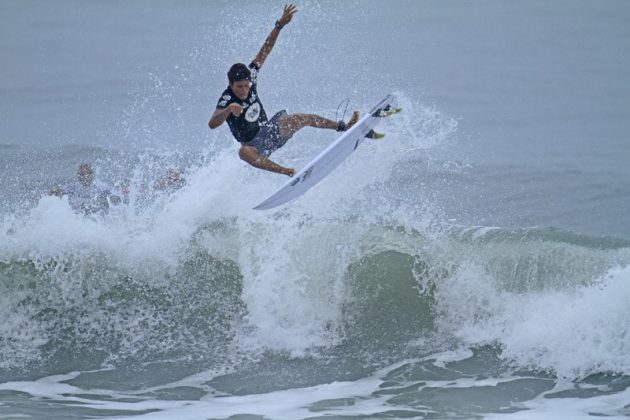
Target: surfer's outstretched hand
{"x":287,"y":14}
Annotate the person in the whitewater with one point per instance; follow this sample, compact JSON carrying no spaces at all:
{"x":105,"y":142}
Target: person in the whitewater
{"x":86,"y":194}
{"x":240,"y":105}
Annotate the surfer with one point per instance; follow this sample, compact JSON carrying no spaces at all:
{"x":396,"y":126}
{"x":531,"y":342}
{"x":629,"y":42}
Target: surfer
{"x":86,"y":194}
{"x":241,"y":107}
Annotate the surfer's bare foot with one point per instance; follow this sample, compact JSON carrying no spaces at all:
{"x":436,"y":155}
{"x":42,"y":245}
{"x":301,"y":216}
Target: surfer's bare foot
{"x":353,"y":120}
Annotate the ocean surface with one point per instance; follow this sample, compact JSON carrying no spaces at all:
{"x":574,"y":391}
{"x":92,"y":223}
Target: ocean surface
{"x":474,"y":263}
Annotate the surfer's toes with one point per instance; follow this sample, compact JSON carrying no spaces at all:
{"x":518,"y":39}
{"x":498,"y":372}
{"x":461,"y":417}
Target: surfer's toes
{"x":353,"y":120}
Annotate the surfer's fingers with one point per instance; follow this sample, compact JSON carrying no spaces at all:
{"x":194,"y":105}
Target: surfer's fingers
{"x":289,"y":11}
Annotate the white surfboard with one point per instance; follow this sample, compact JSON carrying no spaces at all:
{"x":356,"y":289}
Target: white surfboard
{"x":328,"y":159}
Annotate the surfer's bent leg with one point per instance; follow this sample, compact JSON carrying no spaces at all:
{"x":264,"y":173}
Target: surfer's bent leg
{"x":290,"y":124}
{"x":250,"y":155}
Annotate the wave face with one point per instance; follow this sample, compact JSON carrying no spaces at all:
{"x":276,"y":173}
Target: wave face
{"x":195,"y":287}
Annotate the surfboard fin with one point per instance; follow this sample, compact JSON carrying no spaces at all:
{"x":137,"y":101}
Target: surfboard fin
{"x":374,"y":135}
{"x":388,"y":110}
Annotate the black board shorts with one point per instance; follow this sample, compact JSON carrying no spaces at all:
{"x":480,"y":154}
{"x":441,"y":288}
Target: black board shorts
{"x":269,"y":139}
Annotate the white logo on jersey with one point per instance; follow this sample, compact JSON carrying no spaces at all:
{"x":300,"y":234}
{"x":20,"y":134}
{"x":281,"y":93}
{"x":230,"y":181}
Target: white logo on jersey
{"x":253,"y":112}
{"x":227,"y":97}
{"x":223,"y":103}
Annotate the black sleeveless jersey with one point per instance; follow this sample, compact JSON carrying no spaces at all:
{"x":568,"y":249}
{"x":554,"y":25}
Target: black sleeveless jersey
{"x":245,"y":126}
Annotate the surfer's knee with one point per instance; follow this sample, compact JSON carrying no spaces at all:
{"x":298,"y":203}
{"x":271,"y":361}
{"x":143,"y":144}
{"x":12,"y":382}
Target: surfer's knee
{"x":249,"y":154}
{"x":289,"y":124}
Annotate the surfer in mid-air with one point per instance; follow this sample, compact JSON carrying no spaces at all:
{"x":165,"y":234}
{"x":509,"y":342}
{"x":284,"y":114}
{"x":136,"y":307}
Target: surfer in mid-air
{"x":240,"y":106}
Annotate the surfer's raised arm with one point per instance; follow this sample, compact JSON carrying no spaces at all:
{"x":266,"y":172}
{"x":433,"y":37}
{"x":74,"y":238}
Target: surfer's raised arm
{"x":240,"y":106}
{"x":287,"y":15}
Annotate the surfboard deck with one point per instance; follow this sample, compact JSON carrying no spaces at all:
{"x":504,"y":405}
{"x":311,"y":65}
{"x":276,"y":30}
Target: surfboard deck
{"x":329,"y":158}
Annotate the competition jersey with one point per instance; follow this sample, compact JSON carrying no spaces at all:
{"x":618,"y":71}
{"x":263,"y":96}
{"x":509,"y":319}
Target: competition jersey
{"x":245,"y":126}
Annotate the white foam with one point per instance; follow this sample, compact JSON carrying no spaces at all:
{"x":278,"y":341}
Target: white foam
{"x":542,"y":408}
{"x":573,"y":332}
